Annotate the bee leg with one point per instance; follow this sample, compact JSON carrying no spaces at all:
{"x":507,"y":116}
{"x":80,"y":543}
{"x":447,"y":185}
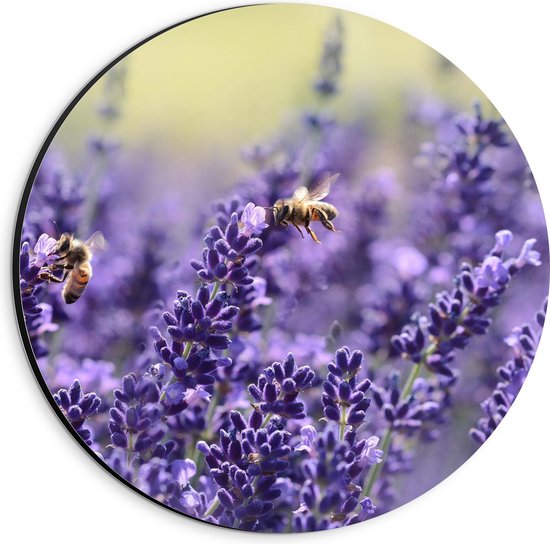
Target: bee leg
{"x":311,"y":233}
{"x":47,"y":275}
{"x":46,"y":272}
{"x":325,"y":221}
{"x":299,"y":229}
{"x":60,"y":266}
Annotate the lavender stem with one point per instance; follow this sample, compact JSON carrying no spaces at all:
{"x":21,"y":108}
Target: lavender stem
{"x":385,"y":446}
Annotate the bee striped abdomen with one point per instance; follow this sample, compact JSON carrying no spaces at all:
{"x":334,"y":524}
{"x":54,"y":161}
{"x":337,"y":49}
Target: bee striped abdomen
{"x":76,"y":283}
{"x":329,"y":211}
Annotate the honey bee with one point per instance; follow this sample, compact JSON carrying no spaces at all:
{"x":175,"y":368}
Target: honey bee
{"x":74,"y":259}
{"x":304,"y":206}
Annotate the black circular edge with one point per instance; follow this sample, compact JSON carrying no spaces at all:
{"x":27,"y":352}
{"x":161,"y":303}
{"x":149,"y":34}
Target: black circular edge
{"x":19,"y":226}
{"x":16,"y":252}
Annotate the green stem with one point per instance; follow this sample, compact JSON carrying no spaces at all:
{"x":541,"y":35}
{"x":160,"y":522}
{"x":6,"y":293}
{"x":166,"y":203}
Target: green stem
{"x":216,"y":502}
{"x":197,"y":458}
{"x":385,"y":446}
{"x":212,"y":508}
{"x":266,"y":420}
{"x":343,"y":423}
{"x":215,"y":290}
{"x":130,"y":449}
{"x":189,"y":345}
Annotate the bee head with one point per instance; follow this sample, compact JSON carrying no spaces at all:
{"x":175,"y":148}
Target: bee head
{"x":280,"y":211}
{"x":64,"y":243}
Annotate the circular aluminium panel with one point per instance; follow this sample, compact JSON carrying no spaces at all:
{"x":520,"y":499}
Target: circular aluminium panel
{"x":307,"y":305}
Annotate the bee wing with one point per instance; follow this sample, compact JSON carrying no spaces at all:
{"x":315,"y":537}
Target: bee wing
{"x":300,"y":194}
{"x":322,"y":188}
{"x":96,"y":241}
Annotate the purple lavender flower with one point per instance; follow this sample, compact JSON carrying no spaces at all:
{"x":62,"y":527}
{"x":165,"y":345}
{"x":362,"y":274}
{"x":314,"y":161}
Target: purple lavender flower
{"x":432,"y":341}
{"x":77,"y":407}
{"x":253,"y":218}
{"x":460,"y":314}
{"x":225,"y":253}
{"x":198,"y":330}
{"x":245,"y":466}
{"x":135,"y":419}
{"x":485,"y":132}
{"x":330,"y":65}
{"x":401,"y":412}
{"x":344,"y":399}
{"x":528,"y":255}
{"x":512,"y":374}
{"x":492,"y":274}
{"x":45,"y":250}
{"x":38,"y":315}
{"x":278,"y":387}
{"x":331,"y":493}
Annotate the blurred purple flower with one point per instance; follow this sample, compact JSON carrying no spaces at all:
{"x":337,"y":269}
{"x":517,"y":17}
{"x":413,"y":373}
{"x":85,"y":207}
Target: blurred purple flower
{"x":308,"y":434}
{"x":528,"y":255}
{"x":409,"y":262}
{"x":183,"y":471}
{"x":503,"y":239}
{"x":492,"y":273}
{"x":196,"y":396}
{"x":371,"y":454}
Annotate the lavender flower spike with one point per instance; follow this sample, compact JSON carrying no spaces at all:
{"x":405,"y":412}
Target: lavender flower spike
{"x":77,"y":408}
{"x":512,"y":374}
{"x":278,"y":387}
{"x":344,"y":398}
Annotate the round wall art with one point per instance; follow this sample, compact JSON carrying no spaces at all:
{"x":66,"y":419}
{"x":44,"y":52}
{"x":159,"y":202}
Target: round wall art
{"x":281,"y":268}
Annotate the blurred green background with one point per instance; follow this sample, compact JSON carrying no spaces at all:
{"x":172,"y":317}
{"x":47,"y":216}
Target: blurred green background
{"x":206,"y":88}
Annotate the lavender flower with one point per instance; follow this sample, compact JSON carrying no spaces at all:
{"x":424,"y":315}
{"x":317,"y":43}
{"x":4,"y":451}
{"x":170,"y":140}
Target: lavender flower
{"x":278,"y":387}
{"x":245,"y":466}
{"x":523,"y":342}
{"x":38,"y":315}
{"x":45,"y":251}
{"x":433,"y":340}
{"x":344,"y":399}
{"x":226,"y":251}
{"x":331,"y":493}
{"x":330,"y":66}
{"x":458,"y":315}
{"x":169,"y":483}
{"x":198,"y":330}
{"x":77,"y":407}
{"x":134,"y":423}
{"x":253,"y":218}
{"x":401,"y":412}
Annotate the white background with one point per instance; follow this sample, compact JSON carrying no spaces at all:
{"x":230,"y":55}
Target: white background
{"x":52,"y":490}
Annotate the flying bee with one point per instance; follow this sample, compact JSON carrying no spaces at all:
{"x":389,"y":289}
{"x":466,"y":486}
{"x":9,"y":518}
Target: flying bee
{"x":74,"y":258}
{"x":304,"y":206}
